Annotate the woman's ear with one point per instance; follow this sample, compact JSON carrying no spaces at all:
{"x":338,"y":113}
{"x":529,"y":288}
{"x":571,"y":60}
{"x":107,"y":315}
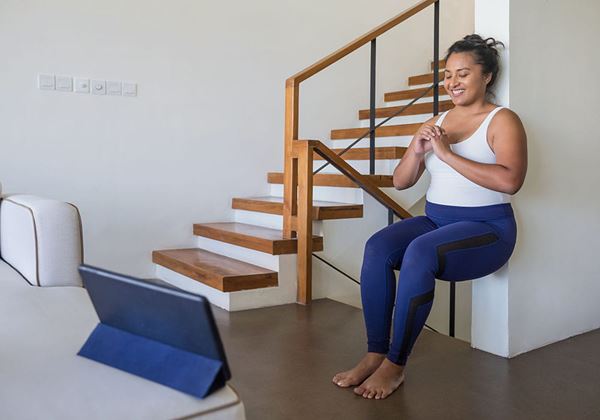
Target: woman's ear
{"x":488,"y":78}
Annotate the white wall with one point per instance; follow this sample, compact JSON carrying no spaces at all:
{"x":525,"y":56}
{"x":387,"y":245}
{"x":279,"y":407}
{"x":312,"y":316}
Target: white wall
{"x":552,"y":284}
{"x":490,"y":297}
{"x":554,"y":278}
{"x":208,"y":122}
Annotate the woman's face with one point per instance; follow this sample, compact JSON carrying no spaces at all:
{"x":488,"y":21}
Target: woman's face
{"x":464,"y":80}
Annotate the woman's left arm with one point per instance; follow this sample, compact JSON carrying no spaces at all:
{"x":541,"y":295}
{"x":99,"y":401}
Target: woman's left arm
{"x":509,"y":143}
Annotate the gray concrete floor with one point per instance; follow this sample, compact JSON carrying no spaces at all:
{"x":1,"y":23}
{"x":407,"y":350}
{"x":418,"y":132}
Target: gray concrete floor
{"x":282,"y":360}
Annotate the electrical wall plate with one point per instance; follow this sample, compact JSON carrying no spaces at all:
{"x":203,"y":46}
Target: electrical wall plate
{"x":46,"y":81}
{"x":114,"y":88}
{"x":64,"y":83}
{"x":98,"y":87}
{"x":82,"y":85}
{"x":129,"y":89}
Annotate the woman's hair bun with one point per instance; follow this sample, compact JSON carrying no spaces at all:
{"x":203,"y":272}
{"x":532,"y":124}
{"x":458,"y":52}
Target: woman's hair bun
{"x":485,"y":52}
{"x":477,"y":40}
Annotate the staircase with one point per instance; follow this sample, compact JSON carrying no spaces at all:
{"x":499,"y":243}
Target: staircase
{"x":249,"y":263}
{"x":252,"y":262}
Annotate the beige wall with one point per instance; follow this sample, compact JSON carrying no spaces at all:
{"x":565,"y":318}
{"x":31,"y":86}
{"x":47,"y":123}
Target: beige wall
{"x":208,"y":122}
{"x":554,"y":278}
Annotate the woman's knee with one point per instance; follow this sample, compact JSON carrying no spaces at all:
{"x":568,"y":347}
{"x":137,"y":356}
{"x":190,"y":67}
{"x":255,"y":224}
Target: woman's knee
{"x":377,"y":248}
{"x":420,"y":255}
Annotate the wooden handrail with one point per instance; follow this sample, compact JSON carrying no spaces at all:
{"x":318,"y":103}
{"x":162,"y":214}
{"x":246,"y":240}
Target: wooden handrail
{"x":298,"y":159}
{"x":302,"y":151}
{"x":359,"y":42}
{"x":361,"y":180}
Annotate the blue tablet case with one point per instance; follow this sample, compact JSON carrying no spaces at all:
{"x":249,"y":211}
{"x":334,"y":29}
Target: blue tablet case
{"x":140,"y":333}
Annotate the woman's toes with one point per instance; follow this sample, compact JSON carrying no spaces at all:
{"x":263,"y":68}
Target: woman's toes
{"x":379,"y":394}
{"x":359,"y":390}
{"x":371,"y":394}
{"x":341,"y":380}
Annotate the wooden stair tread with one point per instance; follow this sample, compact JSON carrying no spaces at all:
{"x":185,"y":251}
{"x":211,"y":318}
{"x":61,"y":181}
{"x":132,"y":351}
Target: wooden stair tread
{"x":421,"y":79}
{"x":383,"y":131}
{"x":322,"y":210}
{"x":217,"y":271}
{"x":411,"y":94}
{"x":336,"y":180}
{"x":363,"y":153}
{"x":415,"y":109}
{"x":254,"y":237}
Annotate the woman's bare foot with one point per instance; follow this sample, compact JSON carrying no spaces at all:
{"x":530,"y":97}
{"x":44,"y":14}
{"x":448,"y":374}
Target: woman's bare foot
{"x":360,"y":372}
{"x":385,"y":380}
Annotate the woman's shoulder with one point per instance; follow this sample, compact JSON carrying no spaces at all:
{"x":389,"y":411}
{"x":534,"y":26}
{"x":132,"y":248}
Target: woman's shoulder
{"x":506,"y":122}
{"x":505,"y":117}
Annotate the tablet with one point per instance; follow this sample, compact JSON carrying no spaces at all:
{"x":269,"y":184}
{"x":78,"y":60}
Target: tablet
{"x":157,"y":312}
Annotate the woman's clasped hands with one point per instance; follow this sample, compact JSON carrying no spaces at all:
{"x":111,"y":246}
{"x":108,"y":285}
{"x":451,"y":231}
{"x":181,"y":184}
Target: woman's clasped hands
{"x":432,"y":137}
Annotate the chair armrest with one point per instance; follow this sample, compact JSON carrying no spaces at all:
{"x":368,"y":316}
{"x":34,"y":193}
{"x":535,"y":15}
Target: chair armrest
{"x":42,"y":239}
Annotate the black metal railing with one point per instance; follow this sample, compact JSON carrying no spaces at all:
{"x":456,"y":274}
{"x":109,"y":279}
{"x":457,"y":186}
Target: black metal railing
{"x":371,"y":132}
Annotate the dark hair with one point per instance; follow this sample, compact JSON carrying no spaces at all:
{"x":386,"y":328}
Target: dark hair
{"x":485,"y":52}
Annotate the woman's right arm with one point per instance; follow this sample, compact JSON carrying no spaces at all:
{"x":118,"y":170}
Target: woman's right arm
{"x":412,"y":164}
{"x":409,"y":170}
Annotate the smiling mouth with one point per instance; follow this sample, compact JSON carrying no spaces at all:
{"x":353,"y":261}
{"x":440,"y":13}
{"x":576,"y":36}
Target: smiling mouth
{"x":457,"y":92}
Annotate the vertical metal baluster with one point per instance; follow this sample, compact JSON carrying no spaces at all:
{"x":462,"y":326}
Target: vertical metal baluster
{"x":372,"y":109}
{"x":436,"y":57}
{"x":436,"y":109}
{"x":390,"y":217}
{"x":452,"y":307}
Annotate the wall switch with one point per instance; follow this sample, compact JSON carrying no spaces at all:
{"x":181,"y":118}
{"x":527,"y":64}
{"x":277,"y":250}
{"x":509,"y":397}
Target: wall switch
{"x":98,"y":87}
{"x":64,"y":83}
{"x":114,"y":88}
{"x":46,"y":81}
{"x":129,"y":89}
{"x":82,"y":85}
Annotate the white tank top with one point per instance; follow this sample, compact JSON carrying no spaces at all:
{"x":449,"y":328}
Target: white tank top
{"x":453,"y":189}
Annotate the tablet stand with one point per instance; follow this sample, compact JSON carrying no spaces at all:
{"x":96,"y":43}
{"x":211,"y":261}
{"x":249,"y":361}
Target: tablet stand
{"x":158,"y":362}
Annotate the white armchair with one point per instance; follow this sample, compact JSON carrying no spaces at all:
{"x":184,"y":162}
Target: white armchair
{"x":41,"y":239}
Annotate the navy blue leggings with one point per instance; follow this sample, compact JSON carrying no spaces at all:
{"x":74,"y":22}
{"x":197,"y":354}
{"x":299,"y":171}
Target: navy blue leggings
{"x":449,"y":243}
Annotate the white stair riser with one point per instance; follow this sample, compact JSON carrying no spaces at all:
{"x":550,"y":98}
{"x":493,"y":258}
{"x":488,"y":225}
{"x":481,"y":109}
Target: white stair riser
{"x":382,"y":166}
{"x":219,"y":299}
{"x":403,"y":102}
{"x":396,"y":141}
{"x":273,"y":221}
{"x":400,"y":119}
{"x":335,"y":194}
{"x":424,"y":85}
{"x":284,"y":293}
{"x":262,"y":259}
{"x":406,"y":198}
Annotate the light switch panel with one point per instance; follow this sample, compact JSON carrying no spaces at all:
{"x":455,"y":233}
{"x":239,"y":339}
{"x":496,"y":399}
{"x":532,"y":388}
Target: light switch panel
{"x":64,"y":83}
{"x":98,"y":87}
{"x":82,"y":85}
{"x":129,"y":89}
{"x":114,"y":88}
{"x":46,"y":81}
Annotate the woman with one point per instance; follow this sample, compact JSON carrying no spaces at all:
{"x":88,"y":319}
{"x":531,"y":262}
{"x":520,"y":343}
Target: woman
{"x":477,"y":156}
